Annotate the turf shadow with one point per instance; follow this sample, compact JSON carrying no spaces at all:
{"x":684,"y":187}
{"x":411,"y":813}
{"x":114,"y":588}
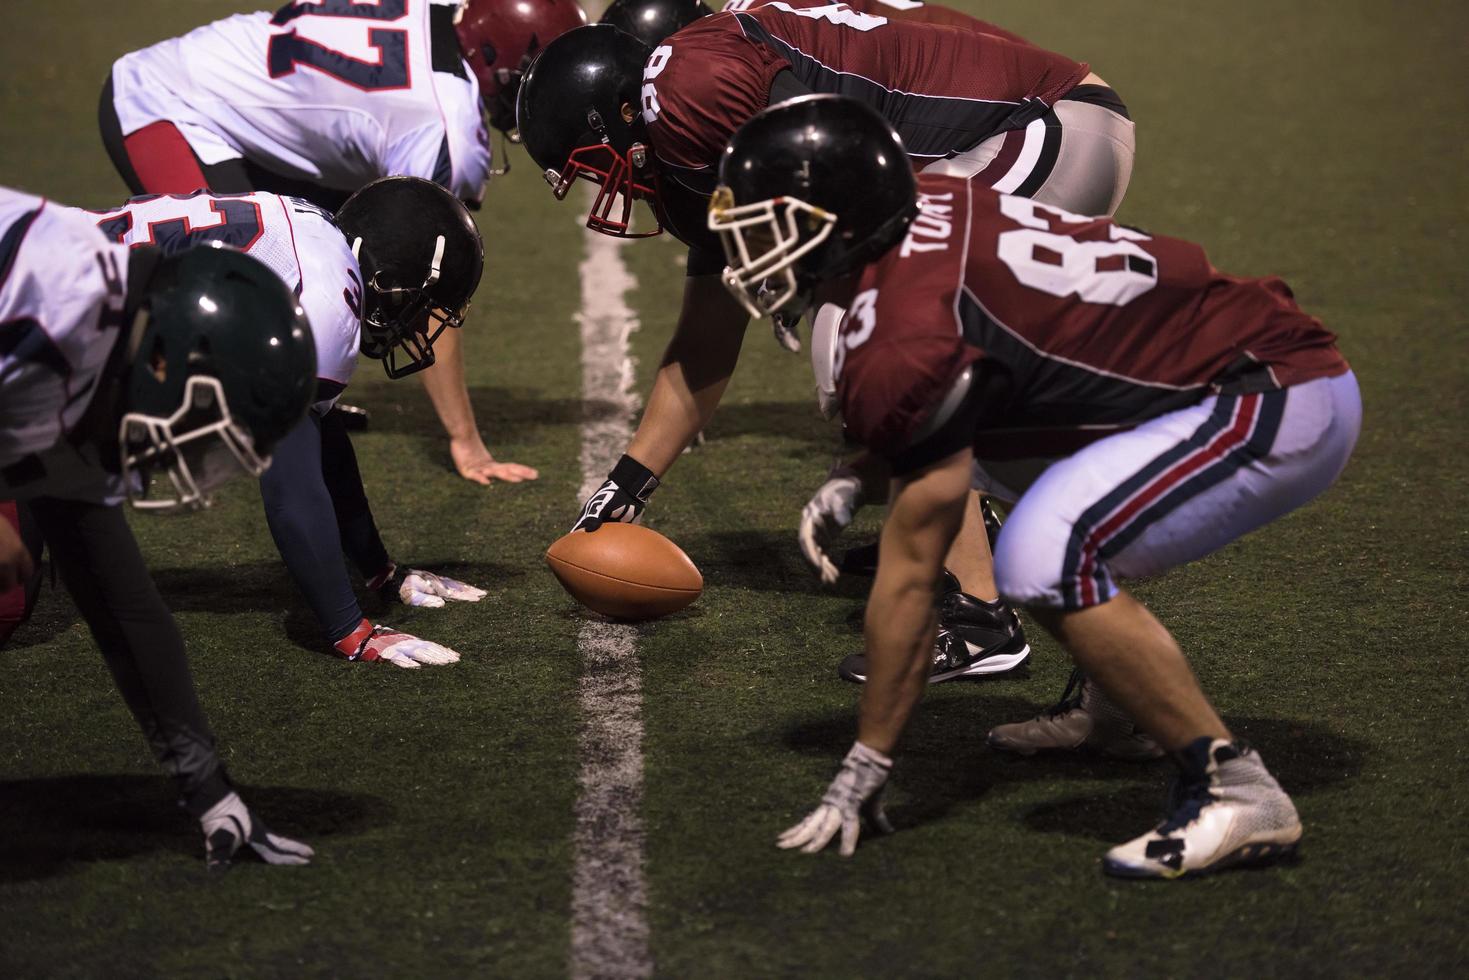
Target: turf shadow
{"x":946,"y":762}
{"x":762,"y":560}
{"x":48,"y":825}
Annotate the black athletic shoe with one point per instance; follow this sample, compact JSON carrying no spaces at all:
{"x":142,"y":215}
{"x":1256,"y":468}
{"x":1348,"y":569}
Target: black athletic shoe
{"x":975,"y":638}
{"x":354,"y":419}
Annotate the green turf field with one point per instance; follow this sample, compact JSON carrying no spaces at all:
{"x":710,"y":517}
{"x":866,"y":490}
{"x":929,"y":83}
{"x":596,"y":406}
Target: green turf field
{"x":1325,"y":142}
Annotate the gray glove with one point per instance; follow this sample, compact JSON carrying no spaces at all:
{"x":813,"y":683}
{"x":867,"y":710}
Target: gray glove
{"x":855,"y":793}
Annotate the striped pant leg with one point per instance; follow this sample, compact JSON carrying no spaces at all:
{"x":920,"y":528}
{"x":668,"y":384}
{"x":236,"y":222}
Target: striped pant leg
{"x":1173,"y":490}
{"x":1077,"y":157}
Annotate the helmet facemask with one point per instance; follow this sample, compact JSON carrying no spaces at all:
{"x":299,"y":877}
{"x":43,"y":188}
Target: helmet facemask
{"x":199,"y":447}
{"x":621,"y":179}
{"x":401,"y":323}
{"x":763,"y":243}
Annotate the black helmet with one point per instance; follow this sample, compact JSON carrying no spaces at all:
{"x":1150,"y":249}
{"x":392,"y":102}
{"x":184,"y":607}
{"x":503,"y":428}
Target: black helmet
{"x":221,"y":367}
{"x":420,"y":254}
{"x":578,"y":115}
{"x":650,"y":21}
{"x":824,"y":183}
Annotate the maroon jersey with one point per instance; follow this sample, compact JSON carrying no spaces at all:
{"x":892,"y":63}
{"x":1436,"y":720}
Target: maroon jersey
{"x":910,"y":10}
{"x":943,"y":88}
{"x":1077,"y":327}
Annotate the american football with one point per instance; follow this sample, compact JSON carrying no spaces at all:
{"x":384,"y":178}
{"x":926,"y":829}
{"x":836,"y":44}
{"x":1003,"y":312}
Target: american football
{"x":625,"y":571}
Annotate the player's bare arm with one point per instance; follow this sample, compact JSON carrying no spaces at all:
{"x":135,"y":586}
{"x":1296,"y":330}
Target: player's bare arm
{"x":696,"y":369}
{"x":926,"y":512}
{"x":444,"y":383}
{"x":924,"y":517}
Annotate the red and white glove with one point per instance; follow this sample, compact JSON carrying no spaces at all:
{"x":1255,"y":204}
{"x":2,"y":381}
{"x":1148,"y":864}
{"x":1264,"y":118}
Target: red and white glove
{"x":368,"y":642}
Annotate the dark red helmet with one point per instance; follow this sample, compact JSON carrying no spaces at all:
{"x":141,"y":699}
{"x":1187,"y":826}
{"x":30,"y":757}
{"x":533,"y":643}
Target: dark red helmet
{"x":499,"y":39}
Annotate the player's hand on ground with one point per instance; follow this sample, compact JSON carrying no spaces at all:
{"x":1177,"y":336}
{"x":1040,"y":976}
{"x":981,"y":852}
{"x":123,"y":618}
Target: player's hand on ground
{"x":425,"y":589}
{"x":15,"y":559}
{"x":621,"y":497}
{"x":854,"y":795}
{"x":371,"y":643}
{"x":826,"y":515}
{"x":231,"y":830}
{"x":474,"y":462}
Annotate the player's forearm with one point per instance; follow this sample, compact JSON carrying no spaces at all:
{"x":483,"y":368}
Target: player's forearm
{"x":696,"y":369}
{"x":444,"y":382}
{"x":924,"y":517}
{"x":674,"y":416}
{"x":899,"y":637}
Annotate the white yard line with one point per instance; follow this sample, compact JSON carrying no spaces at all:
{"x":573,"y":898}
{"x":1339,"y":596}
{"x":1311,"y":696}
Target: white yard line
{"x":609,"y":925}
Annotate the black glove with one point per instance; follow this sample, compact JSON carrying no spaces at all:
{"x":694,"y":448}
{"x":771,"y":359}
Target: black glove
{"x":621,"y":498}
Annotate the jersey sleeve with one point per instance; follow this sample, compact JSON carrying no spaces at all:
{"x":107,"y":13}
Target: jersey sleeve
{"x":62,"y":288}
{"x":901,"y":346}
{"x":331,"y":295}
{"x":701,"y":85}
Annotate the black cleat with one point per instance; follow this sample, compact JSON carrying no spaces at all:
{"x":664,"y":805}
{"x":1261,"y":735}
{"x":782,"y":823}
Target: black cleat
{"x":975,"y":638}
{"x":354,"y":419}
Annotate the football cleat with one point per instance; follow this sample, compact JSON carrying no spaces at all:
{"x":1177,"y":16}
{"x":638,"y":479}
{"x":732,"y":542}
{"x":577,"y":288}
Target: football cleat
{"x":975,"y":638}
{"x":1084,"y":718}
{"x":354,"y":419}
{"x":1224,"y":809}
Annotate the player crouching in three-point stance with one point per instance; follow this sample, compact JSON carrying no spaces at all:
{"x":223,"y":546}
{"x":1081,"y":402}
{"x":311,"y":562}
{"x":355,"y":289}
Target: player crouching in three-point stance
{"x":397,"y":265}
{"x":320,"y":98}
{"x":1149,"y":408}
{"x":115,"y":365}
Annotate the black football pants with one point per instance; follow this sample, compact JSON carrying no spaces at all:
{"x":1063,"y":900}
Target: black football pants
{"x":103,"y":570}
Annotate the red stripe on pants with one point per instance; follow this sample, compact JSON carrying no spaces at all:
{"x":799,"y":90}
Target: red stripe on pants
{"x":163,"y":161}
{"x":1238,"y":433}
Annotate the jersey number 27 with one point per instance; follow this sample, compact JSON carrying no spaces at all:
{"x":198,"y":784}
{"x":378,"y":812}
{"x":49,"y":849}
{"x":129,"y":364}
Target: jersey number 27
{"x":390,"y":71}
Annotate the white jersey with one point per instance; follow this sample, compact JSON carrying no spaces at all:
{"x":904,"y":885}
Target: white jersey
{"x":62,"y":290}
{"x":296,"y":239}
{"x":336,"y":92}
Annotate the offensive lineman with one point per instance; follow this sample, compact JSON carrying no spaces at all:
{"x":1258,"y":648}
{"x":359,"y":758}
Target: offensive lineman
{"x":405,"y":231}
{"x":650,"y":124}
{"x":320,"y":98}
{"x":194,"y":366}
{"x":1149,"y":408}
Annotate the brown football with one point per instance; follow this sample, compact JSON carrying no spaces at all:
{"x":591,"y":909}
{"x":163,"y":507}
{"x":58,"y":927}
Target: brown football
{"x":625,"y":571}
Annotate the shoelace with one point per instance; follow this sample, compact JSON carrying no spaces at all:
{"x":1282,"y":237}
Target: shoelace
{"x":1071,"y":697}
{"x":1186,"y":800}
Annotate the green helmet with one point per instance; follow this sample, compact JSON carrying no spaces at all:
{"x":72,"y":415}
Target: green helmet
{"x":221,"y":368}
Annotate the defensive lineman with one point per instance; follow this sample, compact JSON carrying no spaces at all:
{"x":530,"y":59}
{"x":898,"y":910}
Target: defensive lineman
{"x":1147,"y":408}
{"x":315,"y":513}
{"x":113,"y":363}
{"x":318,"y":99}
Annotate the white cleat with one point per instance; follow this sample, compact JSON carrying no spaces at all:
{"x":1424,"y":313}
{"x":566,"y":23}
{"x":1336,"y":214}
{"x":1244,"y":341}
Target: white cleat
{"x":1225,"y":809}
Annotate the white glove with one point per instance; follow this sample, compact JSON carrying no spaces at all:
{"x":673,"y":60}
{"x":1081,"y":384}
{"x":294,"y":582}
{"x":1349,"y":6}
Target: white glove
{"x":825,"y":516}
{"x":228,"y":826}
{"x":420,"y":588}
{"x":855,"y":793}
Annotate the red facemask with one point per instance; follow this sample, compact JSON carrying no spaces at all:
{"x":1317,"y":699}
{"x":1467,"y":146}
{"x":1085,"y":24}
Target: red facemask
{"x":616,"y":175}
